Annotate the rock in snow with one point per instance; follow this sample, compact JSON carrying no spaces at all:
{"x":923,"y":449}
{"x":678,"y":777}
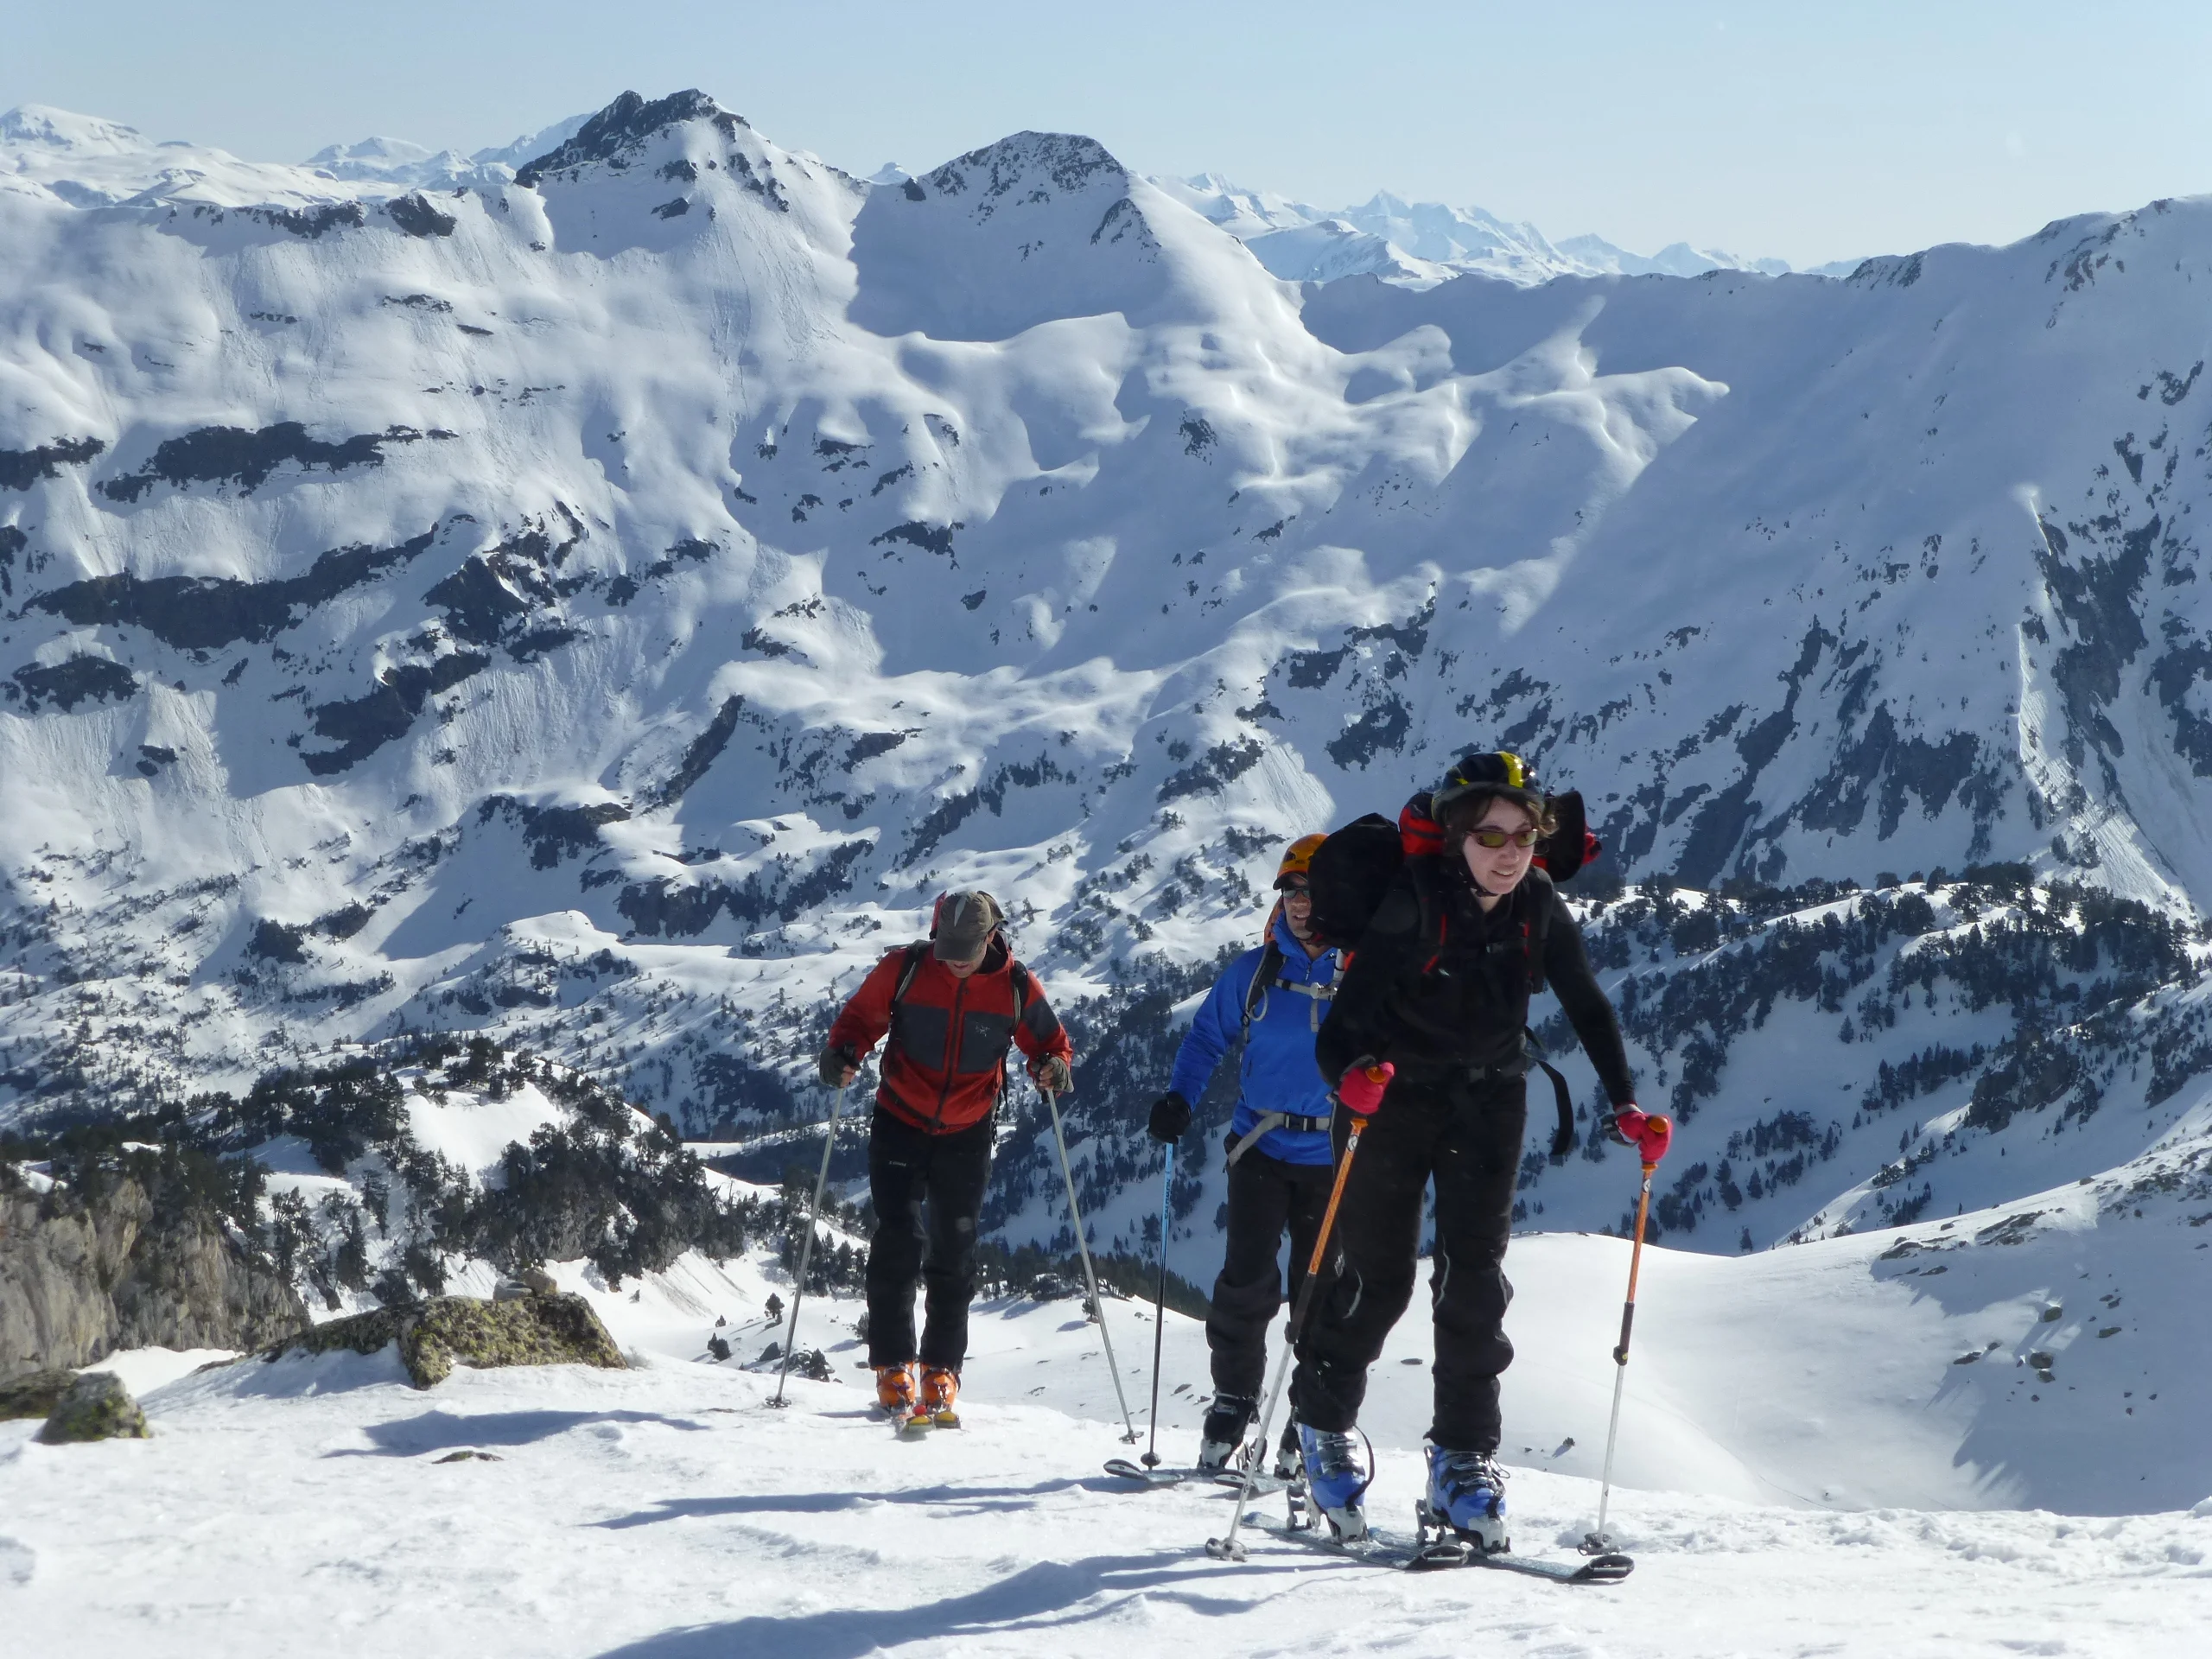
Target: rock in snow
{"x":449,"y":1331}
{"x":97,"y":1408}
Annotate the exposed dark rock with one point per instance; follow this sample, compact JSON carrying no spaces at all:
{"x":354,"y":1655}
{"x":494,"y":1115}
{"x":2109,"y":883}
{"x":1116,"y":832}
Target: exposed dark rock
{"x":20,"y":468}
{"x":34,"y":1395}
{"x":664,"y":908}
{"x":97,"y":1408}
{"x":621,"y":127}
{"x":528,"y":647}
{"x":208,"y":613}
{"x":1382,"y":727}
{"x":82,"y":680}
{"x":931,"y":538}
{"x":313,"y":222}
{"x":81,"y":1277}
{"x":702,"y":752}
{"x":12,"y":541}
{"x":234,"y":454}
{"x":477,"y":604}
{"x":555,"y":833}
{"x":446,"y":1331}
{"x":2097,"y":598}
{"x":674,"y":209}
{"x":413,"y":214}
{"x":367,"y":724}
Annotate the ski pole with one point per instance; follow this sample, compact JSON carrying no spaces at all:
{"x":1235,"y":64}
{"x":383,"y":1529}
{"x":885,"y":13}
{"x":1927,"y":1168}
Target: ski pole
{"x":1159,"y":1302}
{"x":806,"y":1248}
{"x":1090,"y":1277}
{"x":1596,"y":1542}
{"x":1228,"y":1549}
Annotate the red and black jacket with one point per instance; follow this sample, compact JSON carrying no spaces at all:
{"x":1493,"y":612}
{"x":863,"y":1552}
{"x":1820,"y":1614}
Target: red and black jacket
{"x":945,"y":1066}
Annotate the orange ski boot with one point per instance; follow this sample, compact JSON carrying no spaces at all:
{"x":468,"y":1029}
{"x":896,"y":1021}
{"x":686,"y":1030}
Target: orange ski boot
{"x":894,"y":1391}
{"x":940,"y":1391}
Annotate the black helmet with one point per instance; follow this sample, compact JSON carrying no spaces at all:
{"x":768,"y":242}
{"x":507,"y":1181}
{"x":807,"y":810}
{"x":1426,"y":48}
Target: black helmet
{"x":1476,"y":778}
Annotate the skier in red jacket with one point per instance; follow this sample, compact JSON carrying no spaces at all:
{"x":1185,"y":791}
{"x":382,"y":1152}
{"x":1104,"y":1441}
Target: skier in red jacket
{"x":953,"y":1005}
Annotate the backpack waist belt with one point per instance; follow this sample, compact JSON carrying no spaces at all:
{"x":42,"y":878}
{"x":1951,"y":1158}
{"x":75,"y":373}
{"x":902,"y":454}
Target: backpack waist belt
{"x":1268,"y":1121}
{"x":1562,"y":1101}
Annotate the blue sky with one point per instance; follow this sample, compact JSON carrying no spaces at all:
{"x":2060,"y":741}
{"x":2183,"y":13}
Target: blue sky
{"x":1812,"y":131}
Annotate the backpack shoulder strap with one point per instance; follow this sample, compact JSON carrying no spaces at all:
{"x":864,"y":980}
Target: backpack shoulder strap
{"x":913,"y":953}
{"x":1542,"y":893}
{"x":1428,"y":893}
{"x":1263,"y":976}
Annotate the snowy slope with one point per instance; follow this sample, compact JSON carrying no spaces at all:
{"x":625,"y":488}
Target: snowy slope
{"x":2043,"y":1354}
{"x":604,"y":607}
{"x":665,"y":1510}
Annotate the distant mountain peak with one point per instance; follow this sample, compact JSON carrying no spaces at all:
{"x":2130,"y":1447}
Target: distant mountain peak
{"x":622,"y":127}
{"x":41,"y":124}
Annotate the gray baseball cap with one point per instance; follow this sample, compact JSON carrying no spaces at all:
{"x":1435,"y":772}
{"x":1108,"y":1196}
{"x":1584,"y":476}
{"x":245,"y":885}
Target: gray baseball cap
{"x":963,"y":924}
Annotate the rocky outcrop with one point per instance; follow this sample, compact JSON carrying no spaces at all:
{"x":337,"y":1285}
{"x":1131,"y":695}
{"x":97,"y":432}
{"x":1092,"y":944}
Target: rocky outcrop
{"x":81,"y":1278}
{"x":34,"y":1396}
{"x":97,"y":1408}
{"x":447,"y":1331}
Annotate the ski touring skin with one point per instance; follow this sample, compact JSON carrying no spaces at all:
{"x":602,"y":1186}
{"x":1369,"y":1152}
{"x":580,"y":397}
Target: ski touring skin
{"x":1122,"y":1468}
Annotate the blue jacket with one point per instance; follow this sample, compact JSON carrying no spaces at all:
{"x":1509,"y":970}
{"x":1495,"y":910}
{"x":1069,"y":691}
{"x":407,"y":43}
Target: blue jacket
{"x":1278,"y":1072}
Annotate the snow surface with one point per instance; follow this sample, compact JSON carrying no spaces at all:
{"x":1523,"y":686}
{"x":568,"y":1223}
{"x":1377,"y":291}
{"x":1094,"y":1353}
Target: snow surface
{"x":665,"y":1510}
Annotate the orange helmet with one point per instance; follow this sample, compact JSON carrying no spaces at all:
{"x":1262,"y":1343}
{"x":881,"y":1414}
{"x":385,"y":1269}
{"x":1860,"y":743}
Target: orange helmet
{"x":1298,"y":858}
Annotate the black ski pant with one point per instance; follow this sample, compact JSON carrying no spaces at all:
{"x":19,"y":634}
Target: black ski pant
{"x":1266,"y":1196}
{"x":1464,"y":1134}
{"x":927,"y":1190}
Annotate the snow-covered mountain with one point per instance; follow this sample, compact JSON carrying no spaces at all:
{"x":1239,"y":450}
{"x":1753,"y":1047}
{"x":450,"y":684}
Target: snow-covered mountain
{"x":604,"y":606}
{"x":1419,"y":245}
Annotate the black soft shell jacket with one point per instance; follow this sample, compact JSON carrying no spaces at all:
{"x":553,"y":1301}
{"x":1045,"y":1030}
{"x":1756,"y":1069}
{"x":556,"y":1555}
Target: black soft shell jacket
{"x":1435,"y":1010}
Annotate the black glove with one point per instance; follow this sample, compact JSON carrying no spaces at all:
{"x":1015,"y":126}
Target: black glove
{"x":1171,"y":1117}
{"x":835,"y":1062}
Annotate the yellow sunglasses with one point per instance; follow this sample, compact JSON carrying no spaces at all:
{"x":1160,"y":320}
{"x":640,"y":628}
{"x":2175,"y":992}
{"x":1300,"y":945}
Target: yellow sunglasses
{"x":1495,"y":838}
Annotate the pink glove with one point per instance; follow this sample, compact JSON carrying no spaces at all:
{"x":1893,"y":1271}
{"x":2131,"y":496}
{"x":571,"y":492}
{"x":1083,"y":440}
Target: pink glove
{"x":1362,"y":1090}
{"x":1650,"y":1133}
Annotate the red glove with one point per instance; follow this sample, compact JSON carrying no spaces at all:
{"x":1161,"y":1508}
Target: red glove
{"x":1361,"y":1090}
{"x":1650,"y":1133}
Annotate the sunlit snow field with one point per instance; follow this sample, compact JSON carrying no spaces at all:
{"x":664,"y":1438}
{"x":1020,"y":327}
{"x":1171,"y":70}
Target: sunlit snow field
{"x":667,"y":1510}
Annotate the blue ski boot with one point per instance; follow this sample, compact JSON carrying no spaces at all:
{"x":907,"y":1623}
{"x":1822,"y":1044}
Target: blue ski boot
{"x":1466,"y":1494}
{"x":1335,"y":1482}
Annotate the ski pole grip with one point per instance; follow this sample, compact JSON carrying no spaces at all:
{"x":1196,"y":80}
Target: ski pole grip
{"x":1628,"y":1319}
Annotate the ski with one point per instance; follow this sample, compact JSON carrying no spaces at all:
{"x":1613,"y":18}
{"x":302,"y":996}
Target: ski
{"x":916,"y":1424}
{"x":1122,"y":1468}
{"x":1425,"y":1552}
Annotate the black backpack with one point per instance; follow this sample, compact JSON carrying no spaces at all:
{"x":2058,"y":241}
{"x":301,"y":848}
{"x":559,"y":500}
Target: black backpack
{"x":1352,"y":870}
{"x":1349,"y":875}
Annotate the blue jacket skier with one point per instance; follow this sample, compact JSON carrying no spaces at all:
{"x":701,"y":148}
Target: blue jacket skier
{"x":1273,"y":1001}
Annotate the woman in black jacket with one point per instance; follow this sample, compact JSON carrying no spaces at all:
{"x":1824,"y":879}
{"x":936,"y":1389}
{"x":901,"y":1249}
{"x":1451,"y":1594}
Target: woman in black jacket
{"x":1438,"y":993}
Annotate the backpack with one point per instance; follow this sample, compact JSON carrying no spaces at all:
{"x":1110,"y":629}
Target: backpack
{"x":1024,"y":987}
{"x":1352,"y":870}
